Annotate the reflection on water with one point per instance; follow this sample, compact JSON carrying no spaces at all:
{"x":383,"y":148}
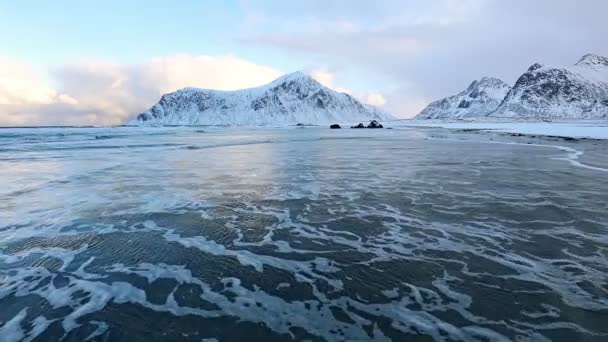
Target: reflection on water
{"x":300,"y":234}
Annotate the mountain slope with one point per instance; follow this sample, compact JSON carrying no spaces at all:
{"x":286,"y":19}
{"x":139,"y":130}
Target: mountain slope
{"x":478,"y":100}
{"x":293,"y":98}
{"x":547,"y":92}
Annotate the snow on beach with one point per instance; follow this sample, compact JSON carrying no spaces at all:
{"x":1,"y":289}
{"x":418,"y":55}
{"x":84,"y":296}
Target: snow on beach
{"x":575,"y":129}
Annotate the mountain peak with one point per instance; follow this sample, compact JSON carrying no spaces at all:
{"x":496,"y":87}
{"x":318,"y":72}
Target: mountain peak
{"x":290,"y":99}
{"x":297,"y":74}
{"x":591,"y":59}
{"x":492,"y":82}
{"x":487,"y":83}
{"x":294,"y":76}
{"x":487,"y":79}
{"x":479,"y":99}
{"x":557,"y":92}
{"x":535,"y":67}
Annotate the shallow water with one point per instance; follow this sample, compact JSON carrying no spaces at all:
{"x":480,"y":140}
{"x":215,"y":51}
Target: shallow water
{"x":301,"y":234}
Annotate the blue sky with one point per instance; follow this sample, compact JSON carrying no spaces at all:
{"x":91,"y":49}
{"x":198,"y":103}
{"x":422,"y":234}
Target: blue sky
{"x":52,"y":32}
{"x":399,"y":54}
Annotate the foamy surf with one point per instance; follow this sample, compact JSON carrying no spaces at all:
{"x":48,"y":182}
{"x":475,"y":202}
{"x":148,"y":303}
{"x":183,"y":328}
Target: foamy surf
{"x":301,"y":234}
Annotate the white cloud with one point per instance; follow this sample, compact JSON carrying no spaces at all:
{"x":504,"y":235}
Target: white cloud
{"x":327,"y":78}
{"x":216,"y":72}
{"x":375,"y":99}
{"x":20,"y":84}
{"x":105,"y":93}
{"x":324,"y":77}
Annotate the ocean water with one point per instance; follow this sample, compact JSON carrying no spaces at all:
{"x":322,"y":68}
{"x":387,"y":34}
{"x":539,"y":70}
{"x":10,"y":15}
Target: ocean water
{"x":202,"y":234}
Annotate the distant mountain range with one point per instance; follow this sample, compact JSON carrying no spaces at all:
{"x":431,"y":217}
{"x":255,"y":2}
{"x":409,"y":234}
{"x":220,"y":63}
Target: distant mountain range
{"x":542,"y":92}
{"x":480,"y":98}
{"x":291,"y":99}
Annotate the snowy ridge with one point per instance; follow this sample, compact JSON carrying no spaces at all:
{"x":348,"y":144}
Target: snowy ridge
{"x":543,"y":92}
{"x":550,"y":92}
{"x":290,"y":99}
{"x":479,"y":99}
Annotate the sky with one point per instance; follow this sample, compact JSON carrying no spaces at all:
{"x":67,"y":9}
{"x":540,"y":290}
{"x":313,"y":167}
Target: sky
{"x":102,"y":62}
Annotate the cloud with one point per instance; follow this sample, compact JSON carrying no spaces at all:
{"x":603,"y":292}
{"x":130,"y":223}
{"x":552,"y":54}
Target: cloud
{"x":375,"y":99}
{"x":324,"y":77}
{"x":327,"y":78}
{"x":104,"y":93}
{"x":223,"y":72}
{"x":20,"y":84}
{"x":400,"y":54}
{"x":431,"y":49}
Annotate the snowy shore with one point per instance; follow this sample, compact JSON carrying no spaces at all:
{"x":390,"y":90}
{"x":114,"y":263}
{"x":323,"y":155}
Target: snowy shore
{"x":575,"y":129}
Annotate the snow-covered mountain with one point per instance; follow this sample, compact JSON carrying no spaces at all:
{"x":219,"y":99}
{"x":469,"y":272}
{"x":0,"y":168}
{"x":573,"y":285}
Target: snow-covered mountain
{"x":291,"y":99}
{"x":478,"y":100}
{"x":548,"y":92}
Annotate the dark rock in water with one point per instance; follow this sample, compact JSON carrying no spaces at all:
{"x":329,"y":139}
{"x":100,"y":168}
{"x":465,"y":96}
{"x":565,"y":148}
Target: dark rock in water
{"x":335,"y":126}
{"x":374,"y":124}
